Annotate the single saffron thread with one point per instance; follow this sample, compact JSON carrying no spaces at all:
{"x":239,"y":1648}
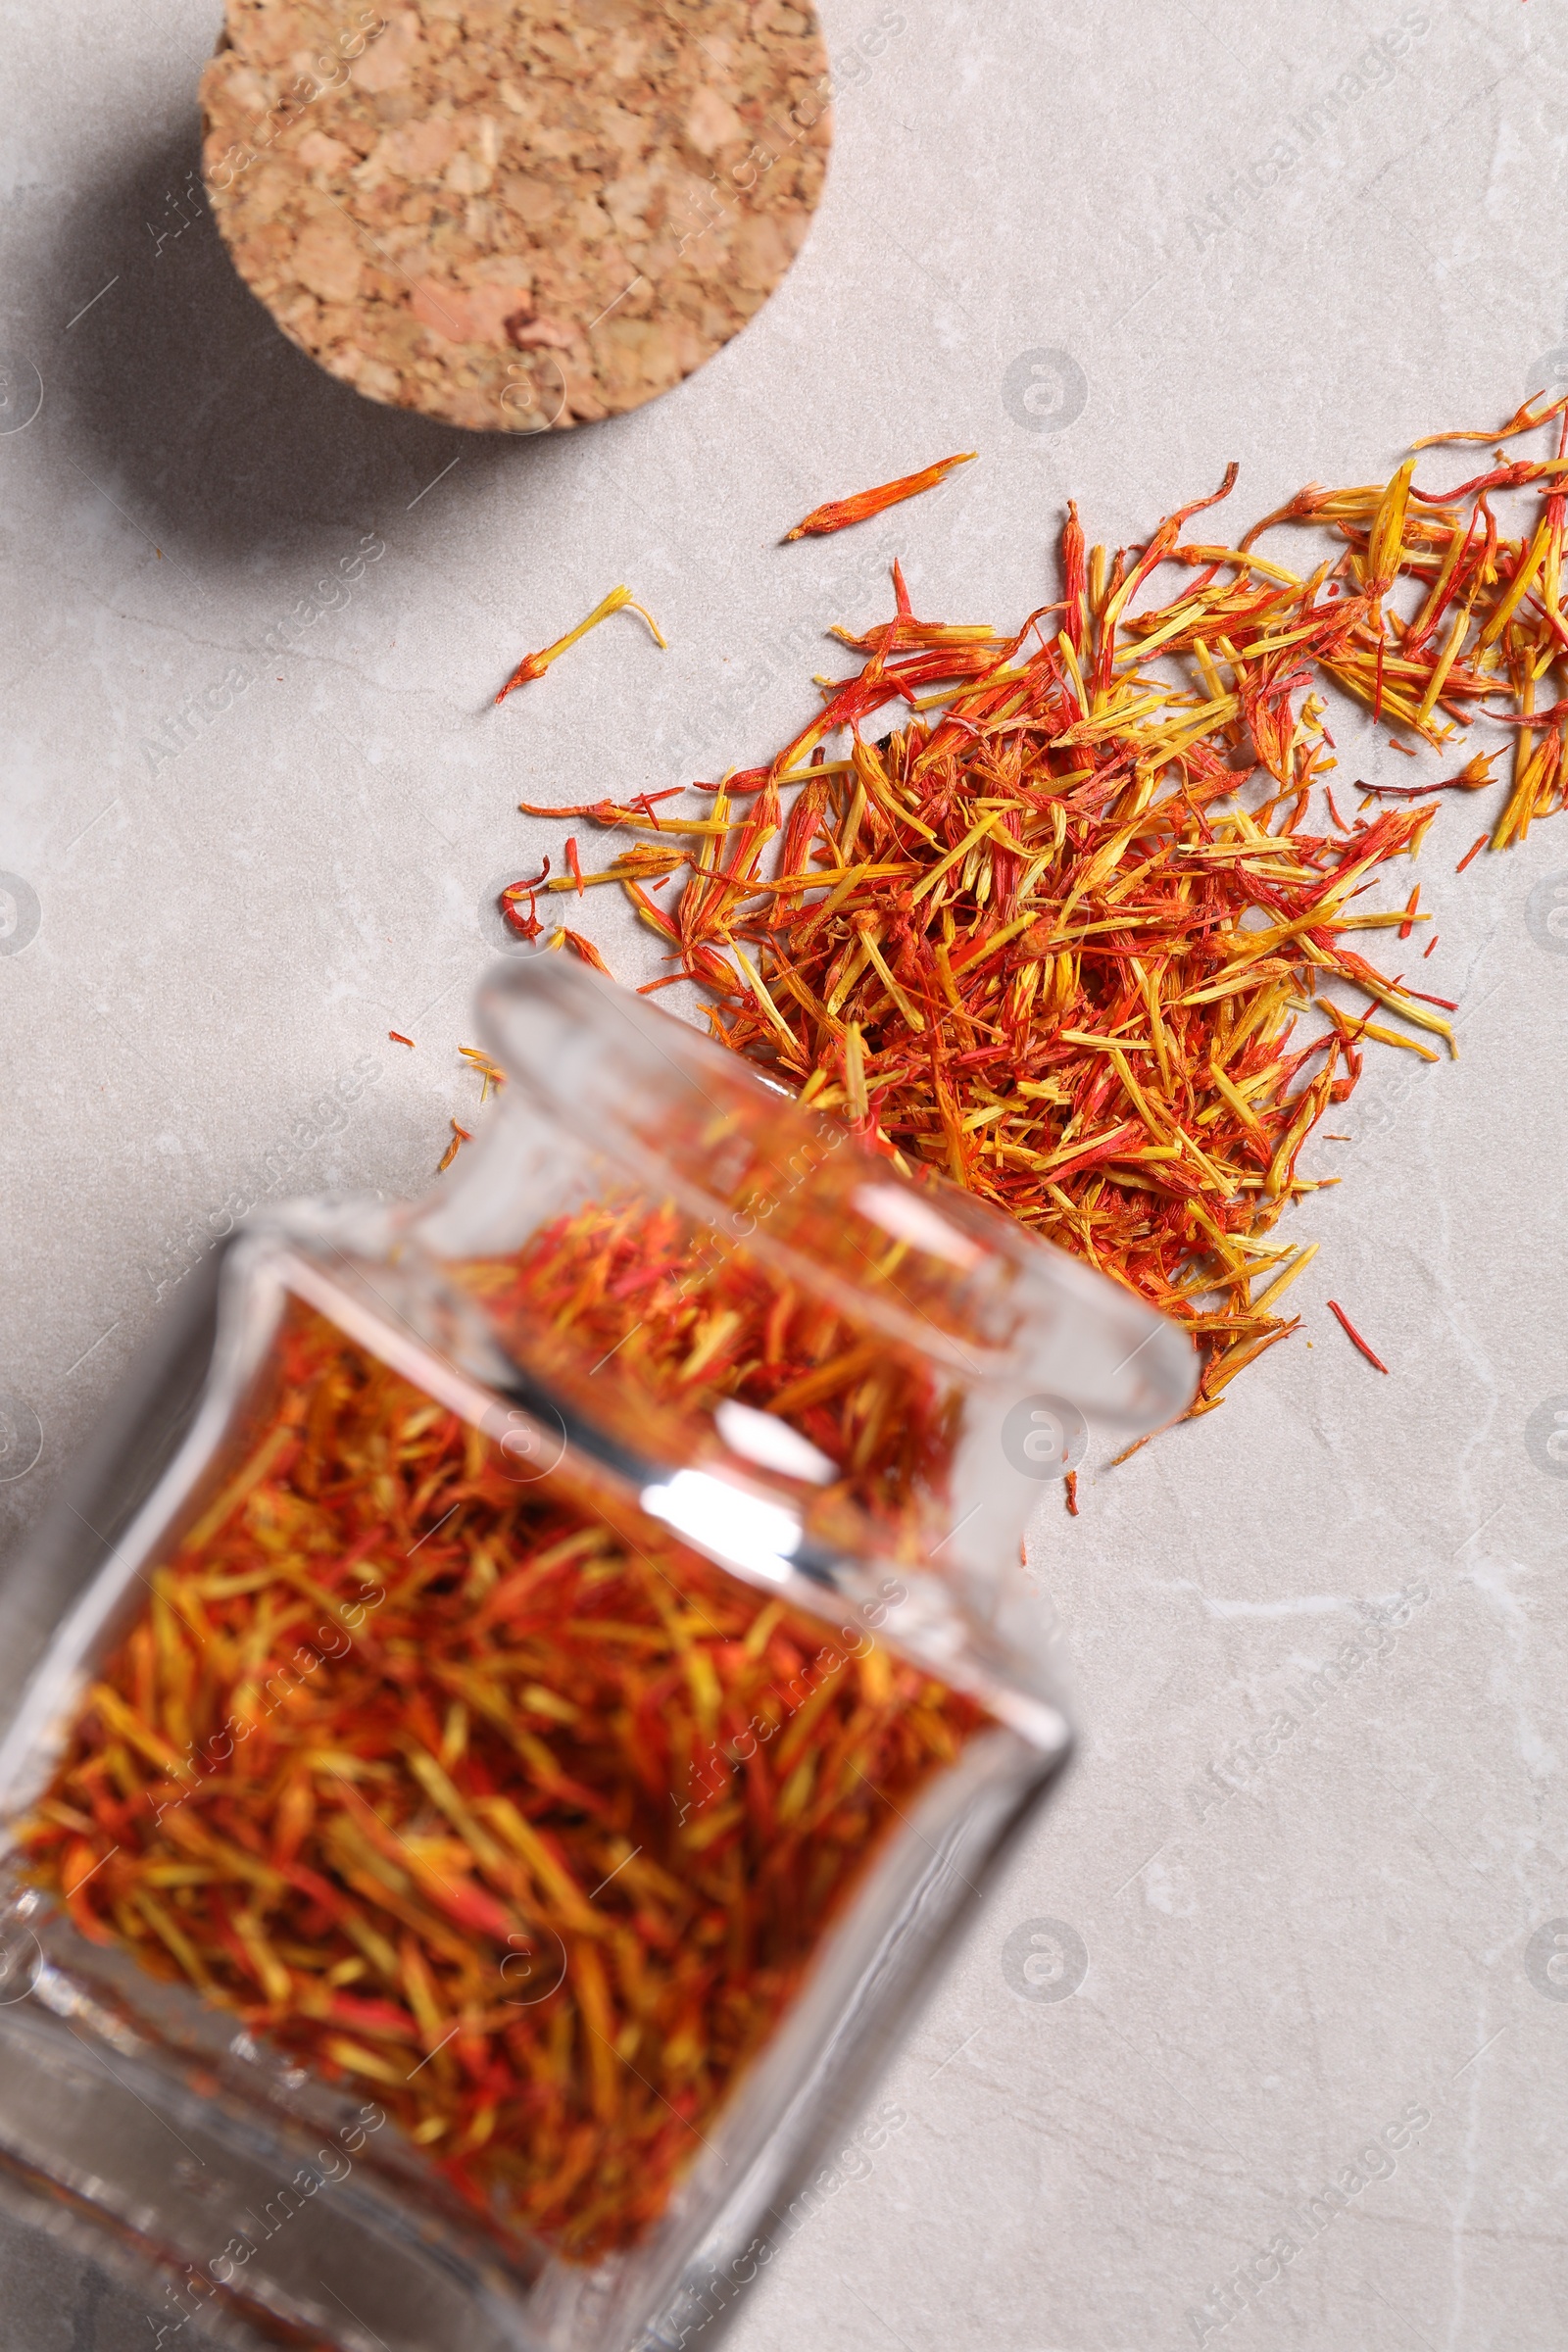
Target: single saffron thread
{"x":1354,"y":1336}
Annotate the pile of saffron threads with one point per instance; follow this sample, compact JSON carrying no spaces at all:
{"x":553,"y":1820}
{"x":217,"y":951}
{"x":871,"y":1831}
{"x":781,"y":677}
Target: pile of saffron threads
{"x":528,"y":1822}
{"x":1052,"y":935}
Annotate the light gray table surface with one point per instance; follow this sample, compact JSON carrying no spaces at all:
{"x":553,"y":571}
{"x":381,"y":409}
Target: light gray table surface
{"x":1111,"y":246}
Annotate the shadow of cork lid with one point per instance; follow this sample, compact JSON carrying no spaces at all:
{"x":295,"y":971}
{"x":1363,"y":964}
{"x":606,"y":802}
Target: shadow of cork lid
{"x":510,"y":215}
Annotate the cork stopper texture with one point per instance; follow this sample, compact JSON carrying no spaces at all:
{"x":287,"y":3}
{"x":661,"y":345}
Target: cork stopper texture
{"x":507,"y":214}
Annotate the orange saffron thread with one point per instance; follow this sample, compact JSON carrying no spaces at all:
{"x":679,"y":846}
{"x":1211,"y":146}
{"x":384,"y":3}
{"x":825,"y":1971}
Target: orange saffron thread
{"x":534,"y":665}
{"x":460,"y":1136}
{"x":840,"y":512}
{"x":586,"y":951}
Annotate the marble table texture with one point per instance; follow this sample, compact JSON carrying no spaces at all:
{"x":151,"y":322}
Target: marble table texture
{"x":1111,"y":246}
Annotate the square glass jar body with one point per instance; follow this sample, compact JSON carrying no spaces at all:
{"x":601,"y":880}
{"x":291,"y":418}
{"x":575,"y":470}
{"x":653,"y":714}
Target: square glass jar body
{"x":870,"y":1489}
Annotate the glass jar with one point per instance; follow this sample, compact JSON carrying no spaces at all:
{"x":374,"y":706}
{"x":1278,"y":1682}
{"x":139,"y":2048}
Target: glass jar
{"x":505,"y":1712}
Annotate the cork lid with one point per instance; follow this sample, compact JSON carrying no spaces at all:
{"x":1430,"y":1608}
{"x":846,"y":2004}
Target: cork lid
{"x":514,"y":215}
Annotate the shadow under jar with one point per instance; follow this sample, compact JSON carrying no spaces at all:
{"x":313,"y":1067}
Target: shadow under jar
{"x":508,"y":1711}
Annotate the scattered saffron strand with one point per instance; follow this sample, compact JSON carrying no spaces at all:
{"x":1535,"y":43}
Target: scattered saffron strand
{"x":574,"y":861}
{"x":1476,"y":847}
{"x":534,"y":665}
{"x":1070,"y":1481}
{"x":524,"y":926}
{"x":491,"y":1075}
{"x":398,"y":1038}
{"x":604,"y":813}
{"x":840,"y":512}
{"x":585,"y":948}
{"x":1426,"y":950}
{"x":460,"y":1136}
{"x":1471,"y":777}
{"x":1354,"y":1336}
{"x":1523,"y":420}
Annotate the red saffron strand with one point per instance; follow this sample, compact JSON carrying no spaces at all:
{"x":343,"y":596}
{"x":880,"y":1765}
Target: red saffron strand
{"x":460,"y":1136}
{"x":840,"y":512}
{"x":1354,"y":1336}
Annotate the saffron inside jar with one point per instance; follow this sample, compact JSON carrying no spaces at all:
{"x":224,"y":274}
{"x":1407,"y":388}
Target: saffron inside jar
{"x":451,"y":1786}
{"x":631,"y":1314}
